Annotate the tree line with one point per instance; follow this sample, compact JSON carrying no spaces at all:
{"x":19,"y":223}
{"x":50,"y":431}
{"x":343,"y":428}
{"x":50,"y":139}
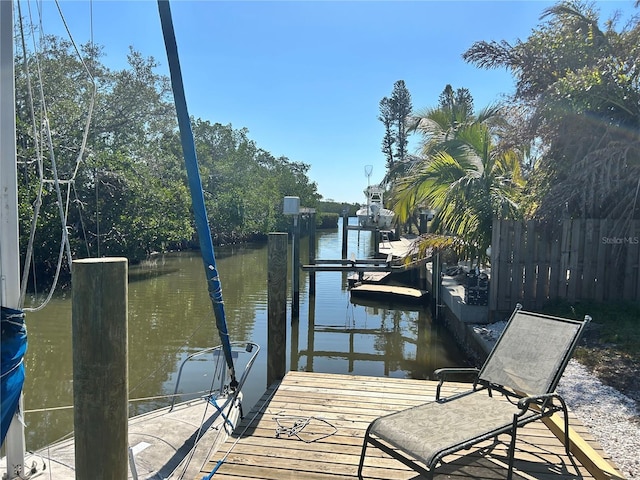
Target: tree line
{"x":101,"y":148}
{"x":565,"y":144}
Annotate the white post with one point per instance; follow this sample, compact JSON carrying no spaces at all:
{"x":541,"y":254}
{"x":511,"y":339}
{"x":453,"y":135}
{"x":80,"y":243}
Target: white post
{"x":9,"y":246}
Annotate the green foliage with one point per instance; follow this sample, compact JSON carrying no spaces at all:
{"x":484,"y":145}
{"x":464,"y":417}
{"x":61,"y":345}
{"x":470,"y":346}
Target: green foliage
{"x":458,"y":105}
{"x":464,"y":173}
{"x":614,"y":324}
{"x":578,"y":96}
{"x":328,"y":206}
{"x":394,"y":112}
{"x":327,"y":220}
{"x":127,"y":191}
{"x":244,"y":185}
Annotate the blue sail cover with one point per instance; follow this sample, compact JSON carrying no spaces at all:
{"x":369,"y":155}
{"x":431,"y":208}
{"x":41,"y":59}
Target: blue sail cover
{"x":195,"y":184}
{"x":13,"y":348}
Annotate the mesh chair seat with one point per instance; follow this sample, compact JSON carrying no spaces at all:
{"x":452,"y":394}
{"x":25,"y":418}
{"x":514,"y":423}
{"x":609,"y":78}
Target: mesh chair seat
{"x":427,"y":430}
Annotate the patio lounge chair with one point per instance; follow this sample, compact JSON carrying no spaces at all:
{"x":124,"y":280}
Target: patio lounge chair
{"x":524,"y":366}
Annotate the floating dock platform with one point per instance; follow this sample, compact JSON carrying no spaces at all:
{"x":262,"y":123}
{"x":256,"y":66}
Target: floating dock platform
{"x":378,"y":291}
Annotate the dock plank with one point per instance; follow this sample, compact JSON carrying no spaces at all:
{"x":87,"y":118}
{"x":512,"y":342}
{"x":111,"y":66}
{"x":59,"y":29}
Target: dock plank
{"x":349,"y":403}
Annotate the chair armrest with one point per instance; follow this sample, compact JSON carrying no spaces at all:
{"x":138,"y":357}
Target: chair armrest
{"x":442,"y":374}
{"x":525,"y":402}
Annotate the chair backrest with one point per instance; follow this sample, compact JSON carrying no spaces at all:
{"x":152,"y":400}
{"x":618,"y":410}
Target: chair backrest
{"x":532,"y":352}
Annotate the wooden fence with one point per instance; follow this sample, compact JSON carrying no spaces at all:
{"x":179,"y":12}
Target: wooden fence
{"x":533,"y":262}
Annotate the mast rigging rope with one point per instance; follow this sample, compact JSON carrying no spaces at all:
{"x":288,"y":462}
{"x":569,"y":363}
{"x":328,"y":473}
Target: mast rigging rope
{"x":63,"y":211}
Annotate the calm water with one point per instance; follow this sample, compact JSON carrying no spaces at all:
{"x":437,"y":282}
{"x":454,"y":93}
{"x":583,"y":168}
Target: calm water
{"x":170,"y":316}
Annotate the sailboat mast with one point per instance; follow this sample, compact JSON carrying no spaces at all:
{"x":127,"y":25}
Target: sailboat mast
{"x":195,"y":183}
{"x":9,"y":238}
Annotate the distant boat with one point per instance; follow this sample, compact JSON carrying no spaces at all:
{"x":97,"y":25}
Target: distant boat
{"x":373,"y":214}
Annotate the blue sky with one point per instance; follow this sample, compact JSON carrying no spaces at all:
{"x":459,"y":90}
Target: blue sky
{"x":306,"y":78}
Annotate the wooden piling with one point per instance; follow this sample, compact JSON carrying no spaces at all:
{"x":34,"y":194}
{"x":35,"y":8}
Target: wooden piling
{"x":423,"y":223}
{"x":100,"y":374}
{"x":422,"y":276}
{"x":277,"y":307}
{"x":312,"y":252}
{"x":345,"y":233}
{"x":295,"y":270}
{"x":436,"y":285}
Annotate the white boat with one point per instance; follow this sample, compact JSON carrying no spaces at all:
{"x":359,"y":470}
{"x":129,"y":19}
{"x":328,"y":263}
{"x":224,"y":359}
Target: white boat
{"x":173,"y":442}
{"x":373,"y":214}
{"x":170,"y":442}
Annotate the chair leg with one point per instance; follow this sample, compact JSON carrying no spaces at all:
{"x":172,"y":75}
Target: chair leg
{"x":565,"y":413}
{"x":512,"y":448}
{"x":364,"y":450}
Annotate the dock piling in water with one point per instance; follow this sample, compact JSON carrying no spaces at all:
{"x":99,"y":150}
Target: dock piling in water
{"x":277,"y":307}
{"x":100,"y":373}
{"x":345,"y":233}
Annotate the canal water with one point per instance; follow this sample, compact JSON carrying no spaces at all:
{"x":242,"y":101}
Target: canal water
{"x":170,"y":316}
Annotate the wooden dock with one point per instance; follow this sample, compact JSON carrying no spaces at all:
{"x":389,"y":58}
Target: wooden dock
{"x":321,"y":419}
{"x":395,"y":256}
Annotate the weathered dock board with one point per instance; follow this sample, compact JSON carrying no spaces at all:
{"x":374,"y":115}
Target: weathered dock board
{"x":339,"y":408}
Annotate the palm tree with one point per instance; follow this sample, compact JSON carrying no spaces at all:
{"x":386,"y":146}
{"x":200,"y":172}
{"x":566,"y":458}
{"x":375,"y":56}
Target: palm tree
{"x":579,"y":87}
{"x":466,"y":176}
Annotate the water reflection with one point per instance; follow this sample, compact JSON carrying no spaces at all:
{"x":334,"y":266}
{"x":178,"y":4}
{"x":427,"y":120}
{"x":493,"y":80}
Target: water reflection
{"x":170,"y":316}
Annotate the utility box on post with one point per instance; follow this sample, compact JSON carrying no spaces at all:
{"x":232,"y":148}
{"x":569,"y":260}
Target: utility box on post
{"x":291,"y":206}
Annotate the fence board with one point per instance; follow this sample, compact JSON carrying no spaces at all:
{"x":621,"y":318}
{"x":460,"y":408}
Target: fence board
{"x":495,"y":261}
{"x":632,"y":261}
{"x":590,"y":255}
{"x":530,"y":258}
{"x":555,"y":261}
{"x":506,"y":253}
{"x":516,"y":267}
{"x":564,"y":259}
{"x":533,"y":263}
{"x":575,"y":275}
{"x":601,"y":262}
{"x":636,"y":237}
{"x":543,"y":250}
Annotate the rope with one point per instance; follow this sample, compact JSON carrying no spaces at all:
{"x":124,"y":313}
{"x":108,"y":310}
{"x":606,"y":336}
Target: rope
{"x":131,"y":400}
{"x":66,"y":247}
{"x":38,"y":201}
{"x":299,"y":424}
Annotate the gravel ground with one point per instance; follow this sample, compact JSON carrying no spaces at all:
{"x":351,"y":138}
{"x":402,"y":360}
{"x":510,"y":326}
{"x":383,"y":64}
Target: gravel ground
{"x":612,"y":417}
